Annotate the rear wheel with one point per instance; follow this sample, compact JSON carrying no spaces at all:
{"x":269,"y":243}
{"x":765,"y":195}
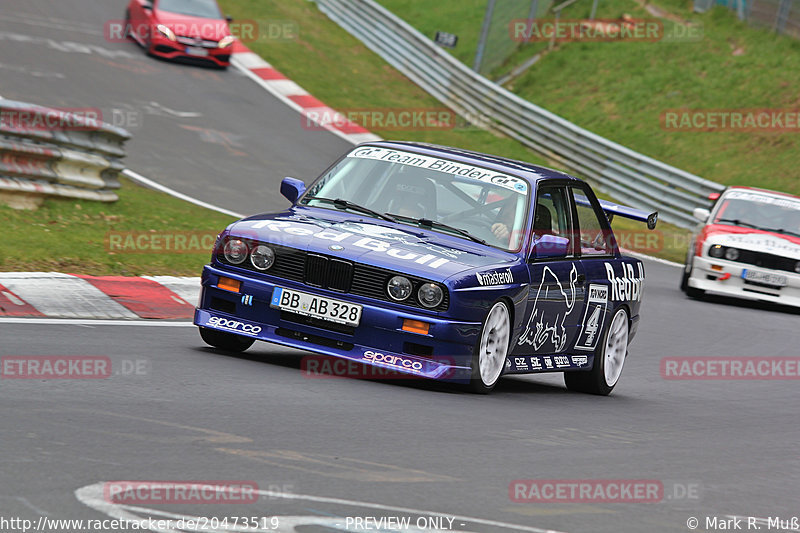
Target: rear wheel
{"x":609,"y":359}
{"x":492,"y":348}
{"x":225,"y":341}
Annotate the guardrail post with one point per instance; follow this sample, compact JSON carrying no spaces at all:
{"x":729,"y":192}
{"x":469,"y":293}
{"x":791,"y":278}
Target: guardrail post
{"x":487,"y":24}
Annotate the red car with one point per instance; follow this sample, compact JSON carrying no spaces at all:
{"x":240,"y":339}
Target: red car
{"x":193,"y":31}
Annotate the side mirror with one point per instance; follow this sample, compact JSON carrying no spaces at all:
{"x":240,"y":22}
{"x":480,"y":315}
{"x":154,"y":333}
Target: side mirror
{"x":701,"y":214}
{"x":292,"y":189}
{"x":551,"y":246}
{"x":148,"y":5}
{"x":228,"y":19}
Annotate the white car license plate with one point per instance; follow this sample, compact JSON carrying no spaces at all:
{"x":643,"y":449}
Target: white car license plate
{"x":196,"y":51}
{"x":316,"y":306}
{"x":767,"y":278}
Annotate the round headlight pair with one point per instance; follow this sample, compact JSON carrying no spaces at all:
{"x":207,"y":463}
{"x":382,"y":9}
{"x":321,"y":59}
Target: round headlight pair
{"x":400,"y":288}
{"x":236,"y":251}
{"x":719,"y":251}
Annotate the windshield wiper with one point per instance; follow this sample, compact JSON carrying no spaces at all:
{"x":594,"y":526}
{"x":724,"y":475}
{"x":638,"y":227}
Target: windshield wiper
{"x":346,"y":204}
{"x":441,"y":225}
{"x":782,"y":231}
{"x":739,"y":222}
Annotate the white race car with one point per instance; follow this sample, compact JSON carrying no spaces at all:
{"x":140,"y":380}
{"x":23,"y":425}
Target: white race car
{"x":748,"y":247}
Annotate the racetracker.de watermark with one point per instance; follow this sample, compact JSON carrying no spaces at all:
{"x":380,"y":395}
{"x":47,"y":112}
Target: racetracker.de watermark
{"x":150,"y":242}
{"x":49,"y":119}
{"x":627,"y":29}
{"x":601,"y":491}
{"x":731,"y":120}
{"x":180,"y":492}
{"x":246,"y":31}
{"x":730,"y":368}
{"x":69,"y":367}
{"x":387,"y":119}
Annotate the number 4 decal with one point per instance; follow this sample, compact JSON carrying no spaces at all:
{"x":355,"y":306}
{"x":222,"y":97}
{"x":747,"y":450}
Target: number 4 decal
{"x":593,"y":318}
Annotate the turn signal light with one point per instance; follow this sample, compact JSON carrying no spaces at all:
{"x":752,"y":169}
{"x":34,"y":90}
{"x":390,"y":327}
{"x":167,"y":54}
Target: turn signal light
{"x":718,"y":268}
{"x":416,"y":326}
{"x":229,"y":284}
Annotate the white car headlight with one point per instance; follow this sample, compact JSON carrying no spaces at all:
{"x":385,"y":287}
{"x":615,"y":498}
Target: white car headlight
{"x":399,"y":288}
{"x":227,"y":41}
{"x":262,"y":257}
{"x":430,"y":295}
{"x":166,"y":32}
{"x":716,"y":251}
{"x":731,"y":254}
{"x":235,"y":251}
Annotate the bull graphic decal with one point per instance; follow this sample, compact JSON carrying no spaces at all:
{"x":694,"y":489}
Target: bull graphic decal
{"x":542,"y":329}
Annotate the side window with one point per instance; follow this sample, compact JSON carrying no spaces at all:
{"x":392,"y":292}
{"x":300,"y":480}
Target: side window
{"x":594,"y":234}
{"x":552,"y":215}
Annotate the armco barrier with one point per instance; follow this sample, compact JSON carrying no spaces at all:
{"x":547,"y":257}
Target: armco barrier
{"x":49,"y":152}
{"x":630,"y":177}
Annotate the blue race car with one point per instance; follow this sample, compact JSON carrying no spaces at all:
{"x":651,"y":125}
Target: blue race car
{"x":433,"y":262}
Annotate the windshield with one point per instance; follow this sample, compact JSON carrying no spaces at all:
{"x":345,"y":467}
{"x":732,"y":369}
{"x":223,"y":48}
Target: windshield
{"x":476,"y":203}
{"x":759,"y":211}
{"x":196,"y":8}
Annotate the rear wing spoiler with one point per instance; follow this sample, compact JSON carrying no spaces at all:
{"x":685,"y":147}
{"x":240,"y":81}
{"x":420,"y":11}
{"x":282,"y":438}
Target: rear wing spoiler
{"x":611,"y":209}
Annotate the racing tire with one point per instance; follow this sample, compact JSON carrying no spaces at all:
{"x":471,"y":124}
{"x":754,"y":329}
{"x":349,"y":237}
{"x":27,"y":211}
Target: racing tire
{"x":691,"y":292}
{"x":225,"y":341}
{"x":609,"y":358}
{"x":491,"y":350}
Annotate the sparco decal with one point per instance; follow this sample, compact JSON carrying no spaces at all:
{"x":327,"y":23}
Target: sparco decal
{"x":393,"y":360}
{"x":234,"y":325}
{"x":593,"y":318}
{"x":542,"y":329}
{"x":495,"y":277}
{"x":365,"y":243}
{"x":627,"y":287}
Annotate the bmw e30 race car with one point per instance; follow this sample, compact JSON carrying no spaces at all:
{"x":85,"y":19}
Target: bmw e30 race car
{"x":433,"y":262}
{"x":747,"y":246}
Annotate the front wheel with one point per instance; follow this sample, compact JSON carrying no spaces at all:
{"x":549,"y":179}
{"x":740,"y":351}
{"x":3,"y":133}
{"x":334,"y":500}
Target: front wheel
{"x":225,"y":341}
{"x":492,"y":348}
{"x":609,"y":359}
{"x":691,"y":292}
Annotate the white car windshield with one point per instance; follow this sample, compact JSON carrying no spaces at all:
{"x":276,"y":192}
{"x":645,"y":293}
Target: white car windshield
{"x":447,"y":196}
{"x":196,"y":8}
{"x":759,"y":211}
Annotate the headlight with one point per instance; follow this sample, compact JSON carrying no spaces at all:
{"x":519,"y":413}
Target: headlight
{"x":226,"y":41}
{"x":430,"y":295}
{"x":262,"y":257}
{"x":716,"y":251}
{"x":235,"y":251}
{"x":399,"y":288}
{"x":731,"y":254}
{"x":166,"y":32}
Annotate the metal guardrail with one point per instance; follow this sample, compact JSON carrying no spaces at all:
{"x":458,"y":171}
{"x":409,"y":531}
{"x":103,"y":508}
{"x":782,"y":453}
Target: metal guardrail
{"x":49,"y":152}
{"x":630,"y":177}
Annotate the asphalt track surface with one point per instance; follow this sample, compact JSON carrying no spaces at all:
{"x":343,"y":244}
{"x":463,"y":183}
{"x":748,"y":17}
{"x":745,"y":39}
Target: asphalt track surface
{"x":176,"y":410}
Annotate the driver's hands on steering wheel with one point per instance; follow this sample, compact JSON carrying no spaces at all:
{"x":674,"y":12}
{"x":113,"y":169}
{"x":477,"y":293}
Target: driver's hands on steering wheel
{"x":500,"y":230}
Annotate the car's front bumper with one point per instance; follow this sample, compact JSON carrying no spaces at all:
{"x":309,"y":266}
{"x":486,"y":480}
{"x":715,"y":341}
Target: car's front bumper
{"x":167,"y":49}
{"x":445,"y":353}
{"x":705,"y":278}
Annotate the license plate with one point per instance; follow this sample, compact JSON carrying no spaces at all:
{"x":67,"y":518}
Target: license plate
{"x":776,"y":280}
{"x":316,"y":306}
{"x":196,"y":51}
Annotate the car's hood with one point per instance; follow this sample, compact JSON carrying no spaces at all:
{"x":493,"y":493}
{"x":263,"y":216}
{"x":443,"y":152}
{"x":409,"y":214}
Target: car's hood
{"x":397,"y":247}
{"x":757,"y":241}
{"x":196,"y":27}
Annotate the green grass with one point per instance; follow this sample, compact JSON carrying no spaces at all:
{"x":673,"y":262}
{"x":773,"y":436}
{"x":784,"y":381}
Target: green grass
{"x":620,"y":89}
{"x":74,"y":236}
